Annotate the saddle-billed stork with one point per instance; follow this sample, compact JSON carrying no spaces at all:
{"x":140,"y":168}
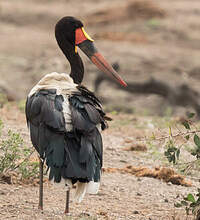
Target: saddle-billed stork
{"x":65,"y":118}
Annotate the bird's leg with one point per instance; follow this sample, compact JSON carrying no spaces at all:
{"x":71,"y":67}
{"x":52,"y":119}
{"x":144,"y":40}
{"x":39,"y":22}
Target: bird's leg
{"x":67,"y":201}
{"x":40,"y":206}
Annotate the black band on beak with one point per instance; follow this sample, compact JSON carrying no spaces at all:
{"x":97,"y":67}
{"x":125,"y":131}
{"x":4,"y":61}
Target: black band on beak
{"x":88,"y":48}
{"x":91,"y":51}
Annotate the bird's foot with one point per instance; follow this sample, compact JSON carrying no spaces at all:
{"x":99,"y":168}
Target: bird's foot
{"x":67,"y":213}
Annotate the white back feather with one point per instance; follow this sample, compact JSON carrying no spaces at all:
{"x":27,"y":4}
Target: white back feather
{"x":62,"y":82}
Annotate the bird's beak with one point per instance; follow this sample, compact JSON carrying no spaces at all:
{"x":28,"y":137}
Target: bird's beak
{"x":85,"y":43}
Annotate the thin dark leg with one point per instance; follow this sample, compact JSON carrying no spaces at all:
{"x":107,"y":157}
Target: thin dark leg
{"x":67,"y":202}
{"x":40,"y":206}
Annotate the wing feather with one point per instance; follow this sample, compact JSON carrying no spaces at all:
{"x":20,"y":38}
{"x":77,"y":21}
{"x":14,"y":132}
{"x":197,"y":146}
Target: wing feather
{"x":72,"y":154}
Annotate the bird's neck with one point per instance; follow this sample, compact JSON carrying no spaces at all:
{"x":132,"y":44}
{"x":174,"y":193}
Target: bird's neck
{"x":77,"y":68}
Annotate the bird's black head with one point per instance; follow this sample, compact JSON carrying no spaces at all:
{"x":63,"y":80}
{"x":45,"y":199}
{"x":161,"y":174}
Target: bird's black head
{"x":69,"y":34}
{"x":66,"y":28}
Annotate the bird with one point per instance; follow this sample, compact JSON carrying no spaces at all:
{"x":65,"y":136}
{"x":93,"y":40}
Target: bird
{"x":65,"y":119}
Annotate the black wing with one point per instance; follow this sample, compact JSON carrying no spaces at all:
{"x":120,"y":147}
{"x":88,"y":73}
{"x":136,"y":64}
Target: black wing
{"x":76,"y":154}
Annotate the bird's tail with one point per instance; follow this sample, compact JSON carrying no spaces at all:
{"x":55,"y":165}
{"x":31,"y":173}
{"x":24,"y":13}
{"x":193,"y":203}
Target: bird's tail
{"x":83,"y":188}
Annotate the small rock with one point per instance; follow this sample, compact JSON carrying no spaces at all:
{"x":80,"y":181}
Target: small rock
{"x":2,"y":193}
{"x":177,"y":196}
{"x":135,"y":212}
{"x":166,"y":200}
{"x":103,"y":213}
{"x":85,"y":214}
{"x":110,"y":148}
{"x":138,"y":194}
{"x":123,"y":161}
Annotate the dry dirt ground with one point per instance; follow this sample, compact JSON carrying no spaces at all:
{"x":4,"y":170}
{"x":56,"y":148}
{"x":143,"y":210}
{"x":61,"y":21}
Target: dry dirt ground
{"x":149,"y":39}
{"x":122,"y":195}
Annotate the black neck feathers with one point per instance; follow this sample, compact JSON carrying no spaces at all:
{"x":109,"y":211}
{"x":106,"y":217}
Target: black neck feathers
{"x":77,"y":69}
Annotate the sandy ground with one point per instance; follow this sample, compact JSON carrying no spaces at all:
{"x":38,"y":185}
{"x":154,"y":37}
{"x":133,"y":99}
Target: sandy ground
{"x":121,"y":196}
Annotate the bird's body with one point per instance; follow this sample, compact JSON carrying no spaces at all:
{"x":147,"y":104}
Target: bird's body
{"x":64,"y":121}
{"x":65,"y":118}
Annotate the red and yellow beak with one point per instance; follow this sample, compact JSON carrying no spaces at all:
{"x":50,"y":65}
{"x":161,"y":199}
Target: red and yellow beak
{"x":85,"y":43}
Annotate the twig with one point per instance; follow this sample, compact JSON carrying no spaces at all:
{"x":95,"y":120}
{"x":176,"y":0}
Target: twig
{"x":169,"y":136}
{"x":26,"y":158}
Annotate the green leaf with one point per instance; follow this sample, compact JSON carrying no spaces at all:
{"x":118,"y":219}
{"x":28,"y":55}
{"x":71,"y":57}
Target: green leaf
{"x":166,"y":153}
{"x":187,"y":137}
{"x":178,"y":205}
{"x":190,"y":115}
{"x":184,"y":203}
{"x":170,"y":159}
{"x":174,"y":159}
{"x":197,"y":141}
{"x":172,"y":149}
{"x":193,"y":204}
{"x":186,"y":125}
{"x":194,"y":153}
{"x":178,"y":153}
{"x":191,"y":198}
{"x":114,"y":112}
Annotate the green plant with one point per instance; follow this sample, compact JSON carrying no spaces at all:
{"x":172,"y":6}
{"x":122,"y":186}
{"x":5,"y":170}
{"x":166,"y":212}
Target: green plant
{"x":196,"y":151}
{"x":172,"y":153}
{"x":1,"y":127}
{"x":21,"y":105}
{"x":11,"y":152}
{"x":29,"y":169}
{"x":3,"y":99}
{"x":190,"y":202}
{"x":153,"y":23}
{"x":14,"y":155}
